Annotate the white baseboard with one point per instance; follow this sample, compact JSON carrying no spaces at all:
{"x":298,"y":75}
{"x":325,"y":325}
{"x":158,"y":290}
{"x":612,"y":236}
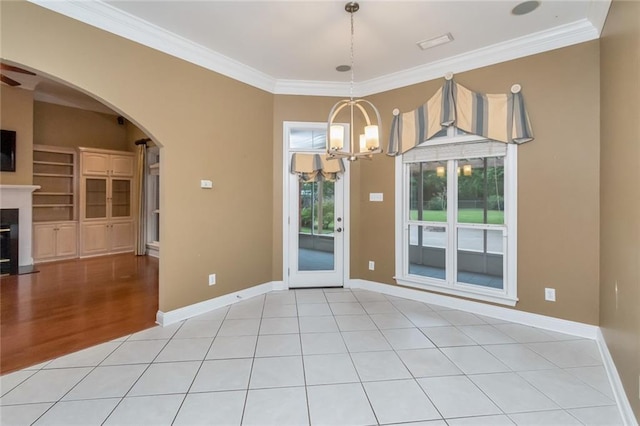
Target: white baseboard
{"x":620,"y":395}
{"x":278,"y":285}
{"x":181,"y":314}
{"x":153,"y":251}
{"x":526,"y":318}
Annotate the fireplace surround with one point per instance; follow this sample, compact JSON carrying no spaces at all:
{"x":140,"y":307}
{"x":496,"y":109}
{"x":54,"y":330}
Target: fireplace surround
{"x":19,"y":197}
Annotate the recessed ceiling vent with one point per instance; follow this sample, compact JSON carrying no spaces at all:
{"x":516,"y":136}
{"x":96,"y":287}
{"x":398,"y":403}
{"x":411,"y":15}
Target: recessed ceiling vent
{"x":428,"y":44}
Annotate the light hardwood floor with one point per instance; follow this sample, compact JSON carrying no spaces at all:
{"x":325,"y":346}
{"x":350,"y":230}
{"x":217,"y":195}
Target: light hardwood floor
{"x":74,"y":304}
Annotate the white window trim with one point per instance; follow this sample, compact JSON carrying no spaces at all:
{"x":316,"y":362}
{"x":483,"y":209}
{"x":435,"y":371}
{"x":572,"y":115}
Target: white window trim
{"x":153,"y":245}
{"x":505,"y":296}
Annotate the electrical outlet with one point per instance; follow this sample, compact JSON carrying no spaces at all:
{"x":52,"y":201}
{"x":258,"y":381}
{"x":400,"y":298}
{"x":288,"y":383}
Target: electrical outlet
{"x":550,"y":294}
{"x":372,"y":265}
{"x":212,"y":279}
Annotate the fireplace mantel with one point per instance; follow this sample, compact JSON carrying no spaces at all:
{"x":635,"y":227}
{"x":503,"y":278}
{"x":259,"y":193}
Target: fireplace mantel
{"x":19,"y":197}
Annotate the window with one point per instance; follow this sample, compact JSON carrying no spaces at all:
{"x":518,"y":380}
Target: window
{"x":153,"y":201}
{"x":456,"y":209}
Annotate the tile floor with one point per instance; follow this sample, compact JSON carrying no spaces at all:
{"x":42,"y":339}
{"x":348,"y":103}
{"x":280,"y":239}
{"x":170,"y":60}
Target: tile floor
{"x":321,"y":357}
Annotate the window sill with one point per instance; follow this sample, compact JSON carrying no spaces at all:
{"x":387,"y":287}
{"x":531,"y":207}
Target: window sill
{"x":469,"y":294}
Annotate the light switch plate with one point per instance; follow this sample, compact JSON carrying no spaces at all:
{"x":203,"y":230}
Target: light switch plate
{"x":550,"y":294}
{"x":375,"y":196}
{"x":206,"y":184}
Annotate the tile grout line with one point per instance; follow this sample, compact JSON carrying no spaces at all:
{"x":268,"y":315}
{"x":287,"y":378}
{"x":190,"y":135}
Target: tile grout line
{"x":373,"y":411}
{"x":201,"y":363}
{"x":304,"y":373}
{"x":79,"y":381}
{"x":143,"y":372}
{"x":253,"y":360}
{"x":402,"y":361}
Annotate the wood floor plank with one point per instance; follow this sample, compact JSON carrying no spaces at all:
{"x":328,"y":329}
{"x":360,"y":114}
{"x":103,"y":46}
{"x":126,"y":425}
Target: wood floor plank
{"x":74,"y":304}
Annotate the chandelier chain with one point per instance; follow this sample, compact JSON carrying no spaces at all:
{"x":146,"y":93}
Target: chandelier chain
{"x":351,"y":57}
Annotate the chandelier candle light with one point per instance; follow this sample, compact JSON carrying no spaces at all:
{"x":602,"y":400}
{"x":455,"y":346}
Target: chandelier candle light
{"x":369,"y":141}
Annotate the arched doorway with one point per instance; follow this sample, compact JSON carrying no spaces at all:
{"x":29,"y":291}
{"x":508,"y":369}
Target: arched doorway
{"x":79,"y":301}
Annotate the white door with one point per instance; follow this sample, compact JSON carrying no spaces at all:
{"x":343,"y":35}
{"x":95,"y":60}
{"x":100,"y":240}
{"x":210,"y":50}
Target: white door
{"x":316,"y":229}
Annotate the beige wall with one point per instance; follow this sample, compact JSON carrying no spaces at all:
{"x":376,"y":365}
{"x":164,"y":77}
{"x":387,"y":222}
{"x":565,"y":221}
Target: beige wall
{"x":558,"y":179}
{"x":16,"y":113}
{"x":72,"y":127}
{"x":558,"y":182}
{"x":210,"y":127}
{"x":620,"y":195}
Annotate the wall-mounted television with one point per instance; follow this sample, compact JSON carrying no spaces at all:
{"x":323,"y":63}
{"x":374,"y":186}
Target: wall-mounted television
{"x":8,"y":150}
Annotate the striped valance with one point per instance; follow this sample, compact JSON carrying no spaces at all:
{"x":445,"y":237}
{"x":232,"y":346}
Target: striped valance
{"x":499,"y":117}
{"x":316,"y":167}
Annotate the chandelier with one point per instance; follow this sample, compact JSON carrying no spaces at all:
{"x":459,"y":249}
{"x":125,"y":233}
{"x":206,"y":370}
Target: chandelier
{"x":369,"y":138}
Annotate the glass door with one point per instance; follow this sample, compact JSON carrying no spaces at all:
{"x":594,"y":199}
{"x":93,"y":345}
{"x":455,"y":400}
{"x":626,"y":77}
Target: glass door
{"x":96,"y":200}
{"x":120,"y":198}
{"x":315,"y":235}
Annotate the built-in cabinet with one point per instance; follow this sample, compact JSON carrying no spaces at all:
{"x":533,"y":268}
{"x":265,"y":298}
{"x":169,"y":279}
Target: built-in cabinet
{"x":54,"y":241}
{"x":106,"y":202}
{"x":107,"y":163}
{"x":55,"y":227}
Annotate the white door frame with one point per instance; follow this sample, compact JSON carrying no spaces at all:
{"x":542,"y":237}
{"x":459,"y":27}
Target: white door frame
{"x":286,"y":199}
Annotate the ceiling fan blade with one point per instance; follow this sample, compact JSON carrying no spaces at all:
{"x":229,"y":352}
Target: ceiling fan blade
{"x":15,"y":69}
{"x":9,"y":81}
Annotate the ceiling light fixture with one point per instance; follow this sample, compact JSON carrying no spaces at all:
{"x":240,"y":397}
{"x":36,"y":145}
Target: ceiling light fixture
{"x":437,"y":41}
{"x":369,"y":141}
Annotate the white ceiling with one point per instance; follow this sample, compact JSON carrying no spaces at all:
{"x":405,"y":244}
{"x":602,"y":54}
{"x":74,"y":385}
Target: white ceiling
{"x":293,"y":47}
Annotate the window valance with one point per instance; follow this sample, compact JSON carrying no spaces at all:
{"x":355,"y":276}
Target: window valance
{"x":500,"y":117}
{"x":316,"y":167}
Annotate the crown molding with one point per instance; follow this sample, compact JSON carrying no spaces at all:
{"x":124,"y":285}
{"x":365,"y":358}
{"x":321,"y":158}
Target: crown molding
{"x":597,"y":12}
{"x":313,"y":88}
{"x":108,"y":18}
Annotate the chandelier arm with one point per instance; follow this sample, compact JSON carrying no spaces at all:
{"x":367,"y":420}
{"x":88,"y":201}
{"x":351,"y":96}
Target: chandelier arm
{"x":373,"y":107}
{"x":363,"y":111}
{"x":339,"y":106}
{"x":336,"y":109}
{"x":351,"y":128}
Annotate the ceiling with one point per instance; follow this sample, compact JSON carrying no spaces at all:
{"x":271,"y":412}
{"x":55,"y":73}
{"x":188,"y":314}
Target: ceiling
{"x":293,"y":47}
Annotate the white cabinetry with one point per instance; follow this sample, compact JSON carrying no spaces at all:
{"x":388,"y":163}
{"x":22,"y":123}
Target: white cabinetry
{"x":106,"y":208}
{"x":55,"y":229}
{"x":103,"y":163}
{"x":54,"y":241}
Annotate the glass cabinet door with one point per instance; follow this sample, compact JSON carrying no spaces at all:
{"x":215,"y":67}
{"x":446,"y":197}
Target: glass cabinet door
{"x":96,"y":199}
{"x":120,"y":198}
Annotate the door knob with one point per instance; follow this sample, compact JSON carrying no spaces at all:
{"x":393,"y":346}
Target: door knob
{"x":339,"y":230}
